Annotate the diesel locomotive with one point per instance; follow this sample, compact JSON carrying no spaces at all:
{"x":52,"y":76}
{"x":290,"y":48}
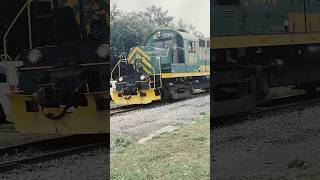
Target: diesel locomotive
{"x":63,"y":79}
{"x":257,"y":45}
{"x":169,"y":65}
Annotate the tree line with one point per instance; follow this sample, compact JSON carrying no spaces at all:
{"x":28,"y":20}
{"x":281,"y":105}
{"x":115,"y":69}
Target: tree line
{"x":129,"y":29}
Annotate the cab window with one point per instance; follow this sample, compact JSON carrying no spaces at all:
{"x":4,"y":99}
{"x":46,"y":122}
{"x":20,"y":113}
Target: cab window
{"x":192,"y":47}
{"x":202,"y":43}
{"x":163,"y":43}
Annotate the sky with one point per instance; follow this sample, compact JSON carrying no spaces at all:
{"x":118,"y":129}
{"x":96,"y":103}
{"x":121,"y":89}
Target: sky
{"x":195,"y":12}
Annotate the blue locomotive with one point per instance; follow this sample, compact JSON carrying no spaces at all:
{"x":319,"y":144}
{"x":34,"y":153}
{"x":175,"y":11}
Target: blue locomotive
{"x":169,"y":65}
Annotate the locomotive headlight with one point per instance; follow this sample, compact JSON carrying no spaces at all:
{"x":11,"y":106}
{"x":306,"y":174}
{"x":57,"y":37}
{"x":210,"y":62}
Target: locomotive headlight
{"x":103,"y":50}
{"x":142,"y":77}
{"x":120,"y":79}
{"x":34,"y":56}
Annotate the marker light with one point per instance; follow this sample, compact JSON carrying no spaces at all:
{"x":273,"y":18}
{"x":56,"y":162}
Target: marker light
{"x":103,"y":50}
{"x":34,"y":56}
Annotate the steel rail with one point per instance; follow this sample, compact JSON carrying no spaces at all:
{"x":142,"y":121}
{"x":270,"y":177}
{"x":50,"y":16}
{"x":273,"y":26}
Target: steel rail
{"x":50,"y":149}
{"x":9,"y":165}
{"x":276,"y":105}
{"x":124,"y":109}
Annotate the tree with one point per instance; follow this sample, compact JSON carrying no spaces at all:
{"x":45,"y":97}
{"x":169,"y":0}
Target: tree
{"x":158,"y":17}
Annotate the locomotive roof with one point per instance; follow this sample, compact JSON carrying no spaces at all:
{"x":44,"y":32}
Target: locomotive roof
{"x":185,"y":35}
{"x":188,"y":36}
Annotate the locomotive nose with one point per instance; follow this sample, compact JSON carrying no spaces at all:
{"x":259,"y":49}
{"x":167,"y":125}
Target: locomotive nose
{"x":129,"y":90}
{"x":141,"y":60}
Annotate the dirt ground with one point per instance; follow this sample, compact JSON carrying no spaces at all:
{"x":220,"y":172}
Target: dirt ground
{"x":143,"y":122}
{"x":265,"y":148}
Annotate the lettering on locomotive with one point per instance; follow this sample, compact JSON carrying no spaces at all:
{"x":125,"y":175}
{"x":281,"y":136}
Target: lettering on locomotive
{"x":266,"y":2}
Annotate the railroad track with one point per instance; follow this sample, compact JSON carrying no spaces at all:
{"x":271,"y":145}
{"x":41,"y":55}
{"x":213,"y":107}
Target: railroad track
{"x":276,"y":105}
{"x":51,"y":149}
{"x":124,"y":109}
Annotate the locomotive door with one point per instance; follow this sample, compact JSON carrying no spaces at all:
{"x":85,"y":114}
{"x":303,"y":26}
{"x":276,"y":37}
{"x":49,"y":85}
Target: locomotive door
{"x":297,"y":16}
{"x":312,"y":15}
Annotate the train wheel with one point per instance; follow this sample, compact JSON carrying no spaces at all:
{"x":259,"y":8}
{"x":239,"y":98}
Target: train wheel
{"x":165,"y":94}
{"x":180,"y":91}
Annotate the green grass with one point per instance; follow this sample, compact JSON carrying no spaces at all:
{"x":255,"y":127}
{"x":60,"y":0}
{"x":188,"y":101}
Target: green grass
{"x":182,"y":154}
{"x":120,"y":142}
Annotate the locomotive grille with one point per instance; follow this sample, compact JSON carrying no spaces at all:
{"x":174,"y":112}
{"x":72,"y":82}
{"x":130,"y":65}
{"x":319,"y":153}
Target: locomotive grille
{"x":228,"y":13}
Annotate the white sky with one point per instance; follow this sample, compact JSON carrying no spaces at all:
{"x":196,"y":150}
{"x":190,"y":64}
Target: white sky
{"x":195,"y":12}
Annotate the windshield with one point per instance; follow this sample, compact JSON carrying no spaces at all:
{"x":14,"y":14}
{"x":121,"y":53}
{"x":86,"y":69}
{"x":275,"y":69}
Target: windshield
{"x":162,"y":43}
{"x":164,"y":39}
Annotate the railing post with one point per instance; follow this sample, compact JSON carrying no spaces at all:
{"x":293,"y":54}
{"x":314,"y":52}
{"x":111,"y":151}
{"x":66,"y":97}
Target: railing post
{"x":4,"y":41}
{"x":29,"y":24}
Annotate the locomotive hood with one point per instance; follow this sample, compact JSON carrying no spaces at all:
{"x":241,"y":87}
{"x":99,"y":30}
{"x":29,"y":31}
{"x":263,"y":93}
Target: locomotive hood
{"x":146,"y":58}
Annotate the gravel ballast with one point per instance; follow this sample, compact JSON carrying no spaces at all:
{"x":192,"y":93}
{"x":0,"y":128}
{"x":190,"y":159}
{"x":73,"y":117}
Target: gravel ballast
{"x":141,"y":123}
{"x":264,"y":148}
{"x":87,"y":165}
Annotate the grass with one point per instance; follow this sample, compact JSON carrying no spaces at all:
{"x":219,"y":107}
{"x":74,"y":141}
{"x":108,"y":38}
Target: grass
{"x":182,"y":154}
{"x":121,"y":142}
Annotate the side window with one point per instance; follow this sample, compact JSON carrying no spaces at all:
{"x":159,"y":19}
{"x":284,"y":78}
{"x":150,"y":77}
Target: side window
{"x":208,"y":44}
{"x":191,"y":47}
{"x":178,"y":52}
{"x":202,"y":43}
{"x":3,"y":78}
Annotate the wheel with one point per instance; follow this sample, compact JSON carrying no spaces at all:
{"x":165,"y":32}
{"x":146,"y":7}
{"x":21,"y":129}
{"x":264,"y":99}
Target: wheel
{"x":165,"y":94}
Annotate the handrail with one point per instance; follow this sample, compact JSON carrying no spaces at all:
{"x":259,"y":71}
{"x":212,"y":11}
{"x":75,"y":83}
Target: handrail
{"x":154,"y":78}
{"x":115,"y":68}
{"x":160,"y":71}
{"x":3,"y":56}
{"x":118,"y":65}
{"x":153,"y":69}
{"x":29,"y":25}
{"x":27,"y":4}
